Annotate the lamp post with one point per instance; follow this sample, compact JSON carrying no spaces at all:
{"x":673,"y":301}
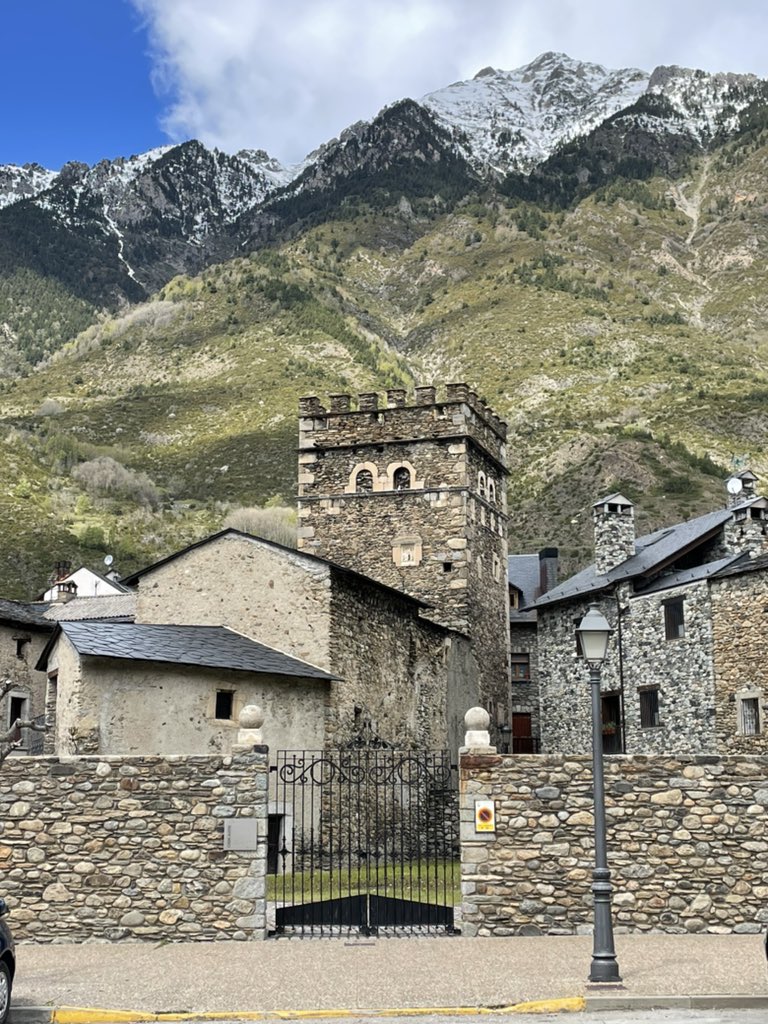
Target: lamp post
{"x":594,"y":632}
{"x":506,"y":731}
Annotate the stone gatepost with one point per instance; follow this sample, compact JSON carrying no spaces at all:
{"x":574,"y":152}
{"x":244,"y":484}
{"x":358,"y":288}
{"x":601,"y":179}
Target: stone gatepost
{"x":477,"y":813}
{"x":244,"y":806}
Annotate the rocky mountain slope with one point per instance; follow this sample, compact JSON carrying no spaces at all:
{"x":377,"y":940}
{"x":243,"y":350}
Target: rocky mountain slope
{"x":610,"y":303}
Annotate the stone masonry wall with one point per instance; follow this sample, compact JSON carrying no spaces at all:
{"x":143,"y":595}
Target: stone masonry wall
{"x":27,"y":681}
{"x":116,"y":848}
{"x":395,"y":668}
{"x":639,"y":655}
{"x":687,"y":844}
{"x":739,"y":633}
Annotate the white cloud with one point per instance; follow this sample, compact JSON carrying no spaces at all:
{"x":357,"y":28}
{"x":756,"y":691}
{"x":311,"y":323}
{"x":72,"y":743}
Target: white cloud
{"x":287,"y":76}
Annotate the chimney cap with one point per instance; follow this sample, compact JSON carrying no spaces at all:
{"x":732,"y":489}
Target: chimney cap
{"x":617,"y":499}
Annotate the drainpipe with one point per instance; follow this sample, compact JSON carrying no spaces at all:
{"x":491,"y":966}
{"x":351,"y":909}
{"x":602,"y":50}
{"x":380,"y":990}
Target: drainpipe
{"x":621,"y":673}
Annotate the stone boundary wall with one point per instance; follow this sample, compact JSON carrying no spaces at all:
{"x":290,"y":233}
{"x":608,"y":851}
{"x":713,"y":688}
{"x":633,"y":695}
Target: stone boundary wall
{"x":687,"y":844}
{"x":112,"y":848}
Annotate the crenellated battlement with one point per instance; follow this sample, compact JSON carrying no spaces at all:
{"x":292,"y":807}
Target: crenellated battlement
{"x":427,"y":397}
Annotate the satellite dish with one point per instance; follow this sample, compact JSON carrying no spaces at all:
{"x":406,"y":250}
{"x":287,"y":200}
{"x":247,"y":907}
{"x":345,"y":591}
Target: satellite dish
{"x":734,"y":485}
{"x":108,"y":559}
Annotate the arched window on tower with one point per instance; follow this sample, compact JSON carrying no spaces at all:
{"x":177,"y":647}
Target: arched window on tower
{"x":492,"y":492}
{"x":481,"y":484}
{"x":401,"y":479}
{"x":364,"y":481}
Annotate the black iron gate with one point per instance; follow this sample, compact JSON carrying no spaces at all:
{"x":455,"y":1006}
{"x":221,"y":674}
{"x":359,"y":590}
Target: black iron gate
{"x":363,"y":840}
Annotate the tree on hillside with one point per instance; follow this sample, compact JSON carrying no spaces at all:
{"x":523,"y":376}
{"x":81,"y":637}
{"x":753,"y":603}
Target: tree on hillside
{"x":11,"y":740}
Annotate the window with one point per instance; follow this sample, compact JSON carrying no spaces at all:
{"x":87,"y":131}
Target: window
{"x":224,"y":704}
{"x":514,"y":598}
{"x":481,"y":484}
{"x":21,"y":642}
{"x":496,"y":568}
{"x":749,"y":715}
{"x":491,"y":491}
{"x":447,"y":566}
{"x":401,"y":479}
{"x":521,"y":668}
{"x":18,"y":707}
{"x":364,"y":481}
{"x":674,"y":619}
{"x":649,"y":708}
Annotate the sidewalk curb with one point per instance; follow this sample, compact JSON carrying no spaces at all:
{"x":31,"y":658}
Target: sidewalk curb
{"x":92,"y":1015}
{"x":571,"y":1004}
{"x":713,"y":1002}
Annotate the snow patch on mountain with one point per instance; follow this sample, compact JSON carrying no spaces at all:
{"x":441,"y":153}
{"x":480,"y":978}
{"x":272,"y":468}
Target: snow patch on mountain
{"x":708,"y":102}
{"x":515,"y":119}
{"x":18,"y":183}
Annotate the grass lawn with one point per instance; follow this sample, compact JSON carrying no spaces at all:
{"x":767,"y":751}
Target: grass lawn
{"x":425,"y":881}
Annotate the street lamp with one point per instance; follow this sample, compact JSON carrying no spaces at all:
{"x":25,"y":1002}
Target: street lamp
{"x":506,"y":731}
{"x":594,"y":632}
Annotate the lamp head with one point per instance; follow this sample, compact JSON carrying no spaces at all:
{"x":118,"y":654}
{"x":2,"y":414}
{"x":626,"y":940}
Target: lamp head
{"x":594,"y":632}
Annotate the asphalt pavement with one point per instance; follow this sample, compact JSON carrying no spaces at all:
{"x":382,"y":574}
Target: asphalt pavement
{"x":335,"y":977}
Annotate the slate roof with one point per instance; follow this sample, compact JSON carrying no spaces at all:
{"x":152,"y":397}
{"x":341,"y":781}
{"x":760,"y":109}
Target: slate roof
{"x":652,"y":550}
{"x":110,"y":606}
{"x":205,"y":646}
{"x":745,"y":564}
{"x":698,"y":572}
{"x":523,"y":572}
{"x":19,"y":613}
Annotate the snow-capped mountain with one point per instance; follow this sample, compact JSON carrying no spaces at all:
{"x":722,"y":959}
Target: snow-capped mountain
{"x":557,"y":127}
{"x":515,"y":120}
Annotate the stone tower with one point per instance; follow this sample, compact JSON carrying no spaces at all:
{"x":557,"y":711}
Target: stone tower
{"x":413,"y":494}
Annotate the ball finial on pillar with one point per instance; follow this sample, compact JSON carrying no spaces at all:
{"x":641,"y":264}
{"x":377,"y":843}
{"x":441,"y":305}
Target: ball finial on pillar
{"x":250,"y":720}
{"x":477,"y":736}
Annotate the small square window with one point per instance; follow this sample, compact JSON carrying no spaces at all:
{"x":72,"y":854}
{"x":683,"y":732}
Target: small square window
{"x":224,"y":704}
{"x":674,"y":619}
{"x":649,"y":709}
{"x":521,"y":668}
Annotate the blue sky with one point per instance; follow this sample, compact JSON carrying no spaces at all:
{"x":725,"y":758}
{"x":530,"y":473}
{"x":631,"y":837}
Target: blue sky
{"x":89,"y":79}
{"x":75,"y":77}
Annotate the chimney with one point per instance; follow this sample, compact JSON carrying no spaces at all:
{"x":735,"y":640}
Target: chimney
{"x":65,"y":591}
{"x":60,"y":571}
{"x":741,"y":487}
{"x":548,"y":558}
{"x":614,"y":525}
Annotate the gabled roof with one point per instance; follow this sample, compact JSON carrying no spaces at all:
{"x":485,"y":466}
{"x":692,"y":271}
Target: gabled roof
{"x":523,"y":572}
{"x":134,"y":578}
{"x":651,"y":551}
{"x":110,"y":606}
{"x":204,"y":646}
{"x":20,"y":613}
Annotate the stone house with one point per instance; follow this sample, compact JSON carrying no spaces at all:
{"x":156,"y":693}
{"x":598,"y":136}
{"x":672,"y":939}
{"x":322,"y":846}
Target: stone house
{"x":386,"y":672}
{"x":684,"y":671}
{"x":24,"y":632}
{"x":130,"y":688}
{"x":397,"y":592}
